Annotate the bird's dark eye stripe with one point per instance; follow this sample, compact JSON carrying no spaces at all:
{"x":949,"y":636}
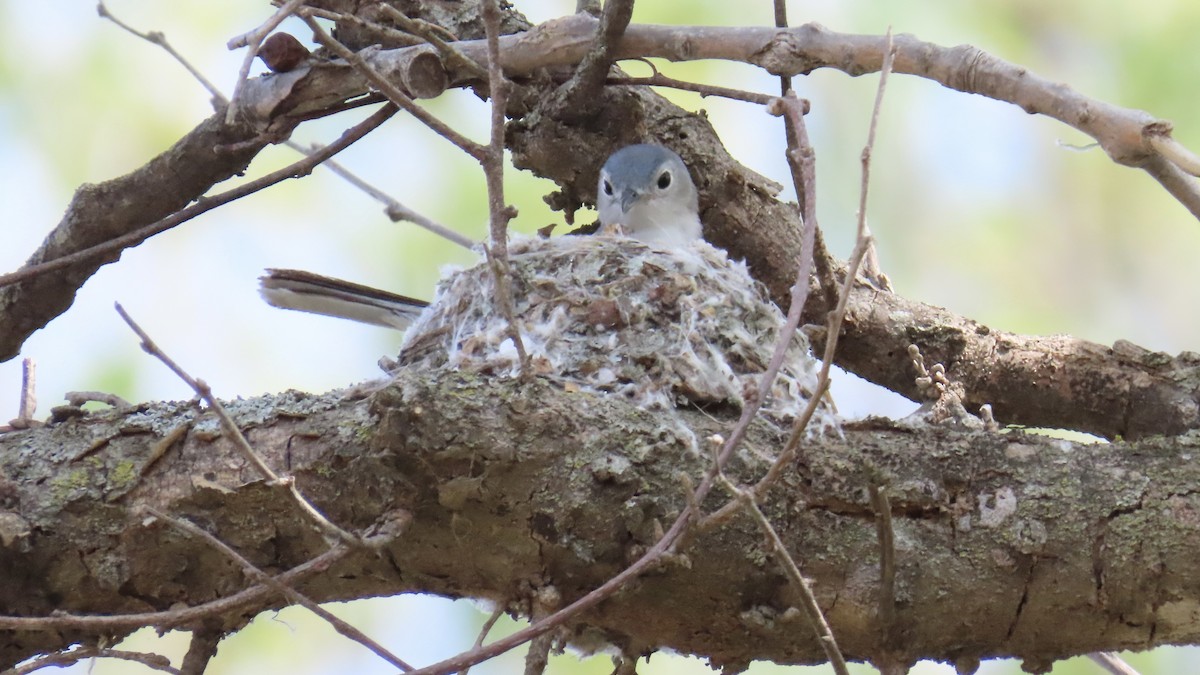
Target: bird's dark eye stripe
{"x":608,"y":190}
{"x":664,"y":180}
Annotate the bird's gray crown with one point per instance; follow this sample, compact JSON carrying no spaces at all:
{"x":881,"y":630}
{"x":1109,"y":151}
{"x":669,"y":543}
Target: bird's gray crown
{"x":638,"y":165}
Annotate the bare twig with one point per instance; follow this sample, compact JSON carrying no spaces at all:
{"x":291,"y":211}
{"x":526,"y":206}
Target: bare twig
{"x":430,"y":33}
{"x":294,"y":170}
{"x":803,"y":588}
{"x":254,"y":40}
{"x":887,"y":556}
{"x":160,"y":39}
{"x":392,"y":208}
{"x":235,"y":435}
{"x":1112,"y":663}
{"x":240,"y":601}
{"x":484,"y":630}
{"x":28,"y":405}
{"x":392,"y":92}
{"x":492,"y":161}
{"x":1174,"y":151}
{"x":77,"y":654}
{"x":660,"y":80}
{"x":78,"y":398}
{"x":291,"y":594}
{"x":801,"y":172}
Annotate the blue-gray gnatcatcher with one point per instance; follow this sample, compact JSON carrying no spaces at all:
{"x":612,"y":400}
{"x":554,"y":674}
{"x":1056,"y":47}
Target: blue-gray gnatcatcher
{"x":645,"y":192}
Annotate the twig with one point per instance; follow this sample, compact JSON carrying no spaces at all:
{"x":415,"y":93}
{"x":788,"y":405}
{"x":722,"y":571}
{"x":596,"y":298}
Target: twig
{"x":1173,"y":150}
{"x":235,"y":435}
{"x":78,"y":398}
{"x":283,"y":589}
{"x":239,"y":601}
{"x":254,"y":40}
{"x":160,"y":39}
{"x":1112,"y":663}
{"x":484,"y":630}
{"x":28,"y":405}
{"x":392,"y":208}
{"x":429,"y":33}
{"x":66,"y":658}
{"x":294,"y":170}
{"x":887,"y":556}
{"x":804,"y":589}
{"x":660,"y":80}
{"x":492,"y":161}
{"x":392,"y":92}
{"x":802,"y":173}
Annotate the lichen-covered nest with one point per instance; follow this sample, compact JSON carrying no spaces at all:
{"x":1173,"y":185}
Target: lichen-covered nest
{"x":662,"y":328}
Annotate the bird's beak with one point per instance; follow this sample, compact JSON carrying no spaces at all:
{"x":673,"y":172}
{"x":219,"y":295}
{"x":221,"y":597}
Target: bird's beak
{"x":628,"y":199}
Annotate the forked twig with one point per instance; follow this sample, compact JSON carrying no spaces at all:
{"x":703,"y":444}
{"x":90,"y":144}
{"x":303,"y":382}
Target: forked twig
{"x":302,"y":167}
{"x":392,"y":92}
{"x":492,"y":161}
{"x":291,"y":594}
{"x":235,"y":435}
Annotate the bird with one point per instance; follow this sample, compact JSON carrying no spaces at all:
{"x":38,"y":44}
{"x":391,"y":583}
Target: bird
{"x":645,"y":192}
{"x":644,"y":310}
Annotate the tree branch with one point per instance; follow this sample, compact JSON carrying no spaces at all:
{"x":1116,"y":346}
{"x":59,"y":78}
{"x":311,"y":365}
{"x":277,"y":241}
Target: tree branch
{"x":1006,"y":544}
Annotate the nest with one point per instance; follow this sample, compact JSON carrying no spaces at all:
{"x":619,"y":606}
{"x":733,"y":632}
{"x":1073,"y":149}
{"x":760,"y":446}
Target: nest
{"x":661,"y":328}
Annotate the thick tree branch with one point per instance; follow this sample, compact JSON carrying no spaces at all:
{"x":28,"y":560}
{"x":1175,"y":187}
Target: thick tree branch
{"x":1006,"y":544}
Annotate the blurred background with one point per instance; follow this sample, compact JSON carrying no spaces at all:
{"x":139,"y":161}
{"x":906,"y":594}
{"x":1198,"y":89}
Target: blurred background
{"x":976,"y":206}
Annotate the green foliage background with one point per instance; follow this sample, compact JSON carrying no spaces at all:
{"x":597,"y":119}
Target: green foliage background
{"x":976,"y":206}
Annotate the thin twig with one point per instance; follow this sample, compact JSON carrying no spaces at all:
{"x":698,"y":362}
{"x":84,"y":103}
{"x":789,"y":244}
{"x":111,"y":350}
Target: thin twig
{"x":1112,"y":663}
{"x":484,"y":630}
{"x":499,"y":213}
{"x":160,"y":39}
{"x":240,"y":601}
{"x":887,"y":556}
{"x":803,"y":588}
{"x":235,"y":435}
{"x":77,"y":654}
{"x":254,"y":40}
{"x":294,"y":170}
{"x":799,"y":172}
{"x":392,"y":92}
{"x":28,"y":405}
{"x":291,"y":594}
{"x":394,"y":210}
{"x":660,"y":80}
{"x":429,"y":33}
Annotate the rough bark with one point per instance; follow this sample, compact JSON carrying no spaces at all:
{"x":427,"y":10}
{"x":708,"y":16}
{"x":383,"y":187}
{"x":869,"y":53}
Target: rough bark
{"x":1007,"y":544}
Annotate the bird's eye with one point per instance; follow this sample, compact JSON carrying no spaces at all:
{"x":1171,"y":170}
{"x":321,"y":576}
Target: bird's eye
{"x":608,"y":190}
{"x":664,"y":180}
